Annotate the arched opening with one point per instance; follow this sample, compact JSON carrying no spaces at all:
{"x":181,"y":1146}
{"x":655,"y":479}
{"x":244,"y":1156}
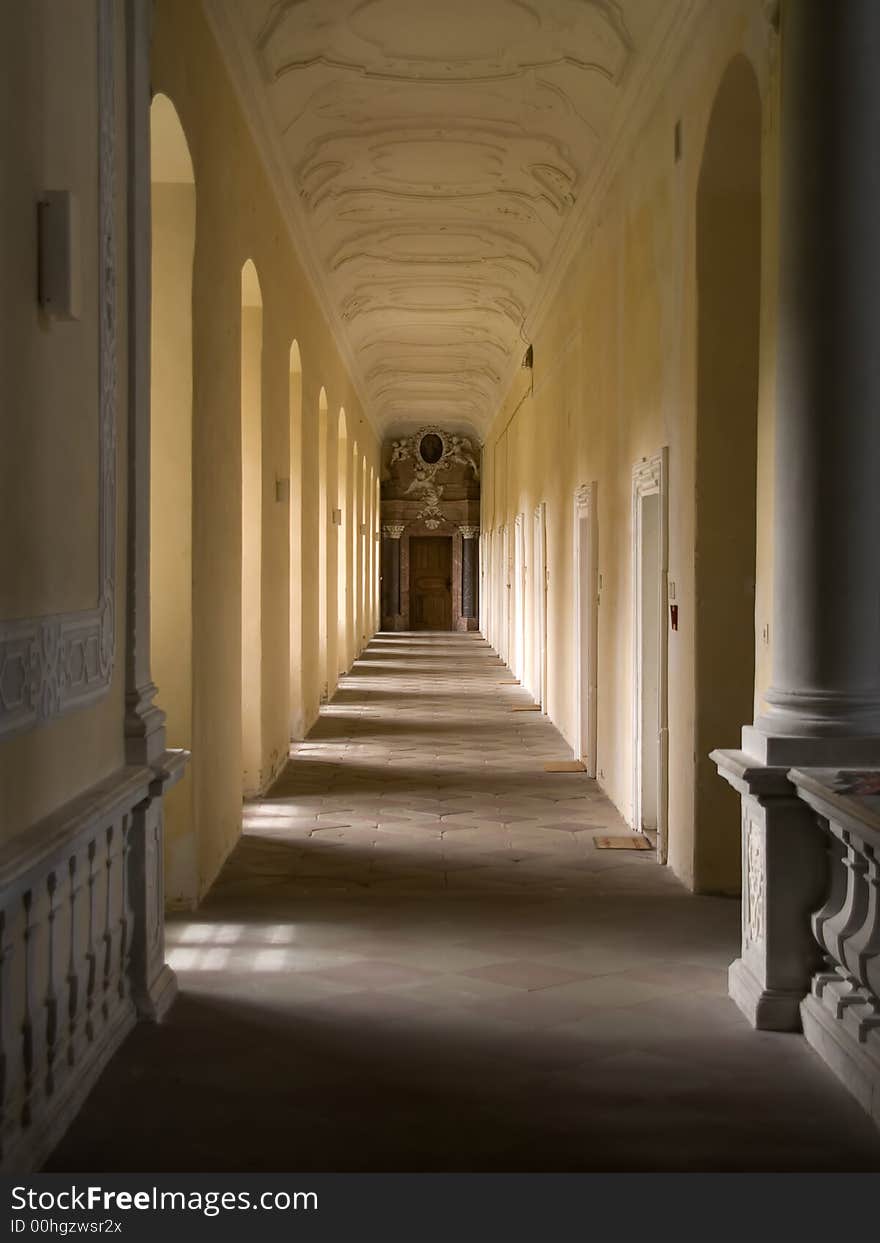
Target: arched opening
{"x":251,"y":528}
{"x":173,"y":207}
{"x":728,"y":310}
{"x":323,"y":519}
{"x":343,"y":517}
{"x":354,"y":567}
{"x":295,"y":501}
{"x":362,"y":537}
{"x":371,"y":552}
{"x":377,"y":516}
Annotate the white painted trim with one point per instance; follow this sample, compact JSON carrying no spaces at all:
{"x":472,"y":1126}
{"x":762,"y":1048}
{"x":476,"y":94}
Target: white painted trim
{"x":586,"y":600}
{"x":650,"y":477}
{"x":519,"y":598}
{"x":65,"y":660}
{"x":504,"y":635}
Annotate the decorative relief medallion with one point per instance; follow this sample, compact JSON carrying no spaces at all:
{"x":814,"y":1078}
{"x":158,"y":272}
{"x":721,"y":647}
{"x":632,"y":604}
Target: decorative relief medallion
{"x":433,"y":450}
{"x":53,"y":665}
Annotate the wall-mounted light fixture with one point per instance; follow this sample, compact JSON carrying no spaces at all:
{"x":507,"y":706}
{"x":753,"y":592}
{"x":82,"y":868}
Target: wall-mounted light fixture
{"x":59,"y":259}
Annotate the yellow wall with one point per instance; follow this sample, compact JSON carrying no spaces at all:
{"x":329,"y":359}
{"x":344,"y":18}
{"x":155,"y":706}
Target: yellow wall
{"x":49,"y":368}
{"x":614,"y":380}
{"x":173,"y":221}
{"x":238,"y":218}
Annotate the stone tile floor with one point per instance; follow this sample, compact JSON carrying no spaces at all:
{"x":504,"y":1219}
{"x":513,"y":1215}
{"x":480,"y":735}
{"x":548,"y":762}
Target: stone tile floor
{"x":416,"y":959}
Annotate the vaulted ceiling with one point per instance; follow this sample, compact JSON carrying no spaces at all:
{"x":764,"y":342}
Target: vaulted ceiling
{"x":432,"y":155}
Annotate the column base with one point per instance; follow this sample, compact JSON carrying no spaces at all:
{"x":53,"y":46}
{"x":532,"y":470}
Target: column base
{"x":856,"y":1064}
{"x":791,"y":751}
{"x":767,"y":1009}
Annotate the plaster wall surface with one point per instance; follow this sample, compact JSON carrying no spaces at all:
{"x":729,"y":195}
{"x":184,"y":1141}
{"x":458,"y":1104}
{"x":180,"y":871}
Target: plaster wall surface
{"x":173,"y":207}
{"x":615,"y":380}
{"x":49,"y":466}
{"x":238,"y":218}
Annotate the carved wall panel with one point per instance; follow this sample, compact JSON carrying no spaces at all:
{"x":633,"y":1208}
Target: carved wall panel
{"x":53,"y":664}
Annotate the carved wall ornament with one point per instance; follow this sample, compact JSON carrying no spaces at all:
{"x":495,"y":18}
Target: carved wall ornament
{"x":55,"y":664}
{"x":433,"y":451}
{"x":754,"y":861}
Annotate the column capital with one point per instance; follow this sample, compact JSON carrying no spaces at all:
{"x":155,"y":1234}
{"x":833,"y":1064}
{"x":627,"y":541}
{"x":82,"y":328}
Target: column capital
{"x":393,"y":530}
{"x":469,"y":532}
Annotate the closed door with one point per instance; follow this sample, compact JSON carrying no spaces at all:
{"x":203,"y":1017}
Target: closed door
{"x":430,"y":579}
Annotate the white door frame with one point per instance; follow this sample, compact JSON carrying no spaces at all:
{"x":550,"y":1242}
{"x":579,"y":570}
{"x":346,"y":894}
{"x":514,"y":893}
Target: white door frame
{"x":504,"y":635}
{"x":539,"y":592}
{"x":519,"y":597}
{"x":586,"y":625}
{"x":650,"y":477}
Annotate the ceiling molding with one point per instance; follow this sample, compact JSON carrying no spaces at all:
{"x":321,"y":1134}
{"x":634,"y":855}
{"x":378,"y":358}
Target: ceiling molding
{"x":438,"y":168}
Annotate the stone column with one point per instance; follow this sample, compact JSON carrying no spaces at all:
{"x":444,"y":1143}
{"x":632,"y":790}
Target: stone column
{"x":469,"y":571}
{"x":391,"y":533}
{"x":824,"y":704}
{"x":826,"y":623}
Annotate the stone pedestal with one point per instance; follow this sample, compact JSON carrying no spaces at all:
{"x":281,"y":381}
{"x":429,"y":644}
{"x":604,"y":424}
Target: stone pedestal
{"x":783,"y":878}
{"x":153,"y":983}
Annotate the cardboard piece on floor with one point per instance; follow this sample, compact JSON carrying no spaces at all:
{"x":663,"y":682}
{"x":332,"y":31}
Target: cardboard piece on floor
{"x":526,"y":708}
{"x":622,"y":843}
{"x":564,"y":766}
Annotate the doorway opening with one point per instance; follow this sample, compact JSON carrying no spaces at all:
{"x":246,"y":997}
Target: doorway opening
{"x":586,"y":579}
{"x":505,"y":591}
{"x":519,"y":597}
{"x":430,"y":577}
{"x":342,"y":518}
{"x":323,"y":543}
{"x":539,"y":605}
{"x":363,"y":563}
{"x":354,"y":546}
{"x":650,"y":726}
{"x":295,"y":536}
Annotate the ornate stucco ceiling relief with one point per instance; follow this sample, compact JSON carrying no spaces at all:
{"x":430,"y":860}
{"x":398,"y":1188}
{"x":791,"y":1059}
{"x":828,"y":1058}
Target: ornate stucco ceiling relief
{"x":434,"y":151}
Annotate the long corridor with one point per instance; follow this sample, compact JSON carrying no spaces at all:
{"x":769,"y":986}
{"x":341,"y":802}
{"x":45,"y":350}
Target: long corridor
{"x":417,"y":959}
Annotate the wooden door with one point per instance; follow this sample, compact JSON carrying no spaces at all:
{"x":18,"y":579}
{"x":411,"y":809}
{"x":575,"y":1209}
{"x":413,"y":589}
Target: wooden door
{"x":430,"y":582}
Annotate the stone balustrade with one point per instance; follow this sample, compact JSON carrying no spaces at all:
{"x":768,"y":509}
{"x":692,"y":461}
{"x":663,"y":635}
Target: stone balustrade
{"x":81,"y":951}
{"x":841,"y":1014}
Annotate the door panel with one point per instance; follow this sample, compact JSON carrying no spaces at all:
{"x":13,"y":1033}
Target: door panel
{"x":430,"y":577}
